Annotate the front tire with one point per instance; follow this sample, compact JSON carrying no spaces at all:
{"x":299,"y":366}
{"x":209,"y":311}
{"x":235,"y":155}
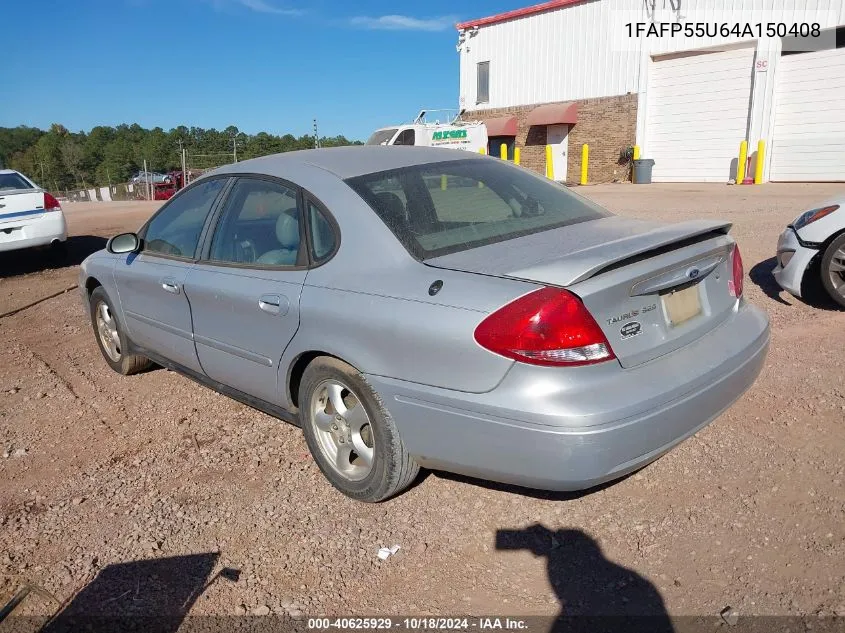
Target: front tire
{"x":350,"y":434}
{"x":833,"y":270}
{"x":111,"y":338}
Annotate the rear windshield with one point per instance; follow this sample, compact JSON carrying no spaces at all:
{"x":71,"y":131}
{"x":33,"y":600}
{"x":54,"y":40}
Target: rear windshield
{"x":13,"y":181}
{"x":448,"y":207}
{"x":380,"y":137}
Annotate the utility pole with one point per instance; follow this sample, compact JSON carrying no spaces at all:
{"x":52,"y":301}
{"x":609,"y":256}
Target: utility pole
{"x":184,"y":167}
{"x":316,"y":136}
{"x":42,"y":172}
{"x":235,"y":148}
{"x":147,"y":178}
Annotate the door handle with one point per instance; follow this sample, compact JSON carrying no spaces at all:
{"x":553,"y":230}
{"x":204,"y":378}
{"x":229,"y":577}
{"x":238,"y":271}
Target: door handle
{"x":274,"y":304}
{"x":170,"y":285}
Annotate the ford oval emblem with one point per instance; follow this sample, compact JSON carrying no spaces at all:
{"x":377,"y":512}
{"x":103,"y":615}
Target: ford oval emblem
{"x":632,"y":328}
{"x":693,"y":273}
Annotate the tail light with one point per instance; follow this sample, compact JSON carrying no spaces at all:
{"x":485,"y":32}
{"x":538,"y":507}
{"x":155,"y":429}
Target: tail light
{"x":737,"y":273}
{"x":50,"y":203}
{"x":549,"y":326}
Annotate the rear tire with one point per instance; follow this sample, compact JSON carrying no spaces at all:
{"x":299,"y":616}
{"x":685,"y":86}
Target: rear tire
{"x":833,"y":270}
{"x":111,"y":337}
{"x":355,"y":441}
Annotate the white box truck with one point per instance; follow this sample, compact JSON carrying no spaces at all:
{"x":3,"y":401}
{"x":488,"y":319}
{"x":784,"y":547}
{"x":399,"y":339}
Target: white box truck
{"x":470,"y":136}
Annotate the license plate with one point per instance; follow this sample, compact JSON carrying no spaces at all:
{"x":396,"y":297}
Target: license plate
{"x":682,"y":305}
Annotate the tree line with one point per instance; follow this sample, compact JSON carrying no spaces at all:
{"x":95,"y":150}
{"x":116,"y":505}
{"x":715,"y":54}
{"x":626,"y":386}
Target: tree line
{"x":60,"y":160}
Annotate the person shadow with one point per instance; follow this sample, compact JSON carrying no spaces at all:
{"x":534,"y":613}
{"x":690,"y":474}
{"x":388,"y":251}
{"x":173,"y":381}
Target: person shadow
{"x":595,"y":594}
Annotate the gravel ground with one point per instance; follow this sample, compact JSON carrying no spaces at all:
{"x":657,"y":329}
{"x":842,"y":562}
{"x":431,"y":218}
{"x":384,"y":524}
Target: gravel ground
{"x":101,"y":473}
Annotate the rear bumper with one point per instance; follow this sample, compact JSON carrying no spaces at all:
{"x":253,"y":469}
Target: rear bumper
{"x":572,"y":429}
{"x":41,"y":231}
{"x":790,"y":276}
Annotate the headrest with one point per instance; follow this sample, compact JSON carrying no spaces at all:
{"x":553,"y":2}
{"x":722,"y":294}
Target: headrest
{"x":287,"y":229}
{"x":392,"y":208}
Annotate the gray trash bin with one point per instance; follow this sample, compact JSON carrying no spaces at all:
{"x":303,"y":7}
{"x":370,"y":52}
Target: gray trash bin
{"x":642,"y":171}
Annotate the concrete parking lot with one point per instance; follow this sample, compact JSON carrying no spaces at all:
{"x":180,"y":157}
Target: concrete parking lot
{"x":101,"y":470}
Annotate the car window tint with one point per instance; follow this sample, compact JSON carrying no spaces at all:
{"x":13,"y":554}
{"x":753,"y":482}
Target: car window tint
{"x":10,"y":181}
{"x":176,"y":229}
{"x":450,"y":206}
{"x":322,"y":235}
{"x":259,"y":225}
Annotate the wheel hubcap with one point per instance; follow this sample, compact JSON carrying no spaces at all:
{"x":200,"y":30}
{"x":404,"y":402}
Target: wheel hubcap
{"x":107,"y":330}
{"x":836,"y":271}
{"x":343,"y":430}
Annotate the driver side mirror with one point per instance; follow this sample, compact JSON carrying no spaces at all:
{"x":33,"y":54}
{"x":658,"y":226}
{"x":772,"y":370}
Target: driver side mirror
{"x":124,"y":243}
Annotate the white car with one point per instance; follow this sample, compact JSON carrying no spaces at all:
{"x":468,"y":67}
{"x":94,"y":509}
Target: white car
{"x":814,"y":244}
{"x":29,"y":216}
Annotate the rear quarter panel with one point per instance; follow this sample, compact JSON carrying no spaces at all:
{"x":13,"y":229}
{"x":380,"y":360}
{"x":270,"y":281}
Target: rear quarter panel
{"x":370,"y":306}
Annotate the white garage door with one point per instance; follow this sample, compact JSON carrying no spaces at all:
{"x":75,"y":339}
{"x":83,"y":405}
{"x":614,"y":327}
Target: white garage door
{"x":697,"y":115}
{"x":808,"y":140}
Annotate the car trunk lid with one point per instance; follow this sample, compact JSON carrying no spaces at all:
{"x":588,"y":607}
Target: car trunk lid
{"x":18,"y":207}
{"x":651,"y":287}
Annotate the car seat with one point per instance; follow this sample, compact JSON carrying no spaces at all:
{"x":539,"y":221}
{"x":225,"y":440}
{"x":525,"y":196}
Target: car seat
{"x":287,"y":234}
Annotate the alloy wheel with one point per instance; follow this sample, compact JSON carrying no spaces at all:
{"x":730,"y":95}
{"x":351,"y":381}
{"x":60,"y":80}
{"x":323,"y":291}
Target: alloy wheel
{"x":107,"y":330}
{"x":343,"y":430}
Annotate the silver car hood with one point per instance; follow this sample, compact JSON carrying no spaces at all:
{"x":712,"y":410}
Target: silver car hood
{"x":571,"y":254}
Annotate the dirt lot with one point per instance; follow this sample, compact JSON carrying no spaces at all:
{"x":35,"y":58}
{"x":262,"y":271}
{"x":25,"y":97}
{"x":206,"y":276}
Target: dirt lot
{"x":104,"y":470}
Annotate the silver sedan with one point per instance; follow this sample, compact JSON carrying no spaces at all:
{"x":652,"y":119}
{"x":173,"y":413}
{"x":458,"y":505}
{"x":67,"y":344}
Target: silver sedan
{"x":415,"y":307}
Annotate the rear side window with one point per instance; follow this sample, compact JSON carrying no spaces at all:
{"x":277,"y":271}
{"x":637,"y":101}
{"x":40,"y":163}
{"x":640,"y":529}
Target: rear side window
{"x":176,"y":229}
{"x":259,"y":226}
{"x":323,"y":240}
{"x":13,"y":181}
{"x":447,"y":207}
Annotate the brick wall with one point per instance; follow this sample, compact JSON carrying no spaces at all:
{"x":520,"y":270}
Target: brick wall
{"x":607,"y":124}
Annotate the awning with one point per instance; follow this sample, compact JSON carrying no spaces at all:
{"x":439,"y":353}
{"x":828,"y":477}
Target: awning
{"x":554,"y":113}
{"x":503,"y":126}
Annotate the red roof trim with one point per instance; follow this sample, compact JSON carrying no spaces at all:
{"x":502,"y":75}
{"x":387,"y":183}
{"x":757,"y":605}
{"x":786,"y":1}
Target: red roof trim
{"x":553,"y":113}
{"x":502,"y":126}
{"x":516,"y":13}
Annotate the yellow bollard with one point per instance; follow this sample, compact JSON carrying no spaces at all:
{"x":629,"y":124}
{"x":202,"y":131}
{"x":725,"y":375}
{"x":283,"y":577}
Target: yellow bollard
{"x":635,"y":157}
{"x":482,"y":151}
{"x":743,"y":159}
{"x":503,"y":151}
{"x":550,"y":170}
{"x":443,"y":180}
{"x":758,"y":166}
{"x":517,"y":155}
{"x":585,"y":161}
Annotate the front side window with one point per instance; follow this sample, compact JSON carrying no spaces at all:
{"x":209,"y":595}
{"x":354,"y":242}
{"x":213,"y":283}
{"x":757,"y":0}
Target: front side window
{"x":176,"y":229}
{"x":441,"y":208}
{"x":482,"y":94}
{"x":381,"y":137}
{"x":259,"y":225}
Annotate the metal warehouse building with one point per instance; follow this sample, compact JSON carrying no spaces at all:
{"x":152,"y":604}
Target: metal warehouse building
{"x":569,"y":72}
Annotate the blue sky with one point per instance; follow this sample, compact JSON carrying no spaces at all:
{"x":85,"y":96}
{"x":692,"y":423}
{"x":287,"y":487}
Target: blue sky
{"x":268,"y":65}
